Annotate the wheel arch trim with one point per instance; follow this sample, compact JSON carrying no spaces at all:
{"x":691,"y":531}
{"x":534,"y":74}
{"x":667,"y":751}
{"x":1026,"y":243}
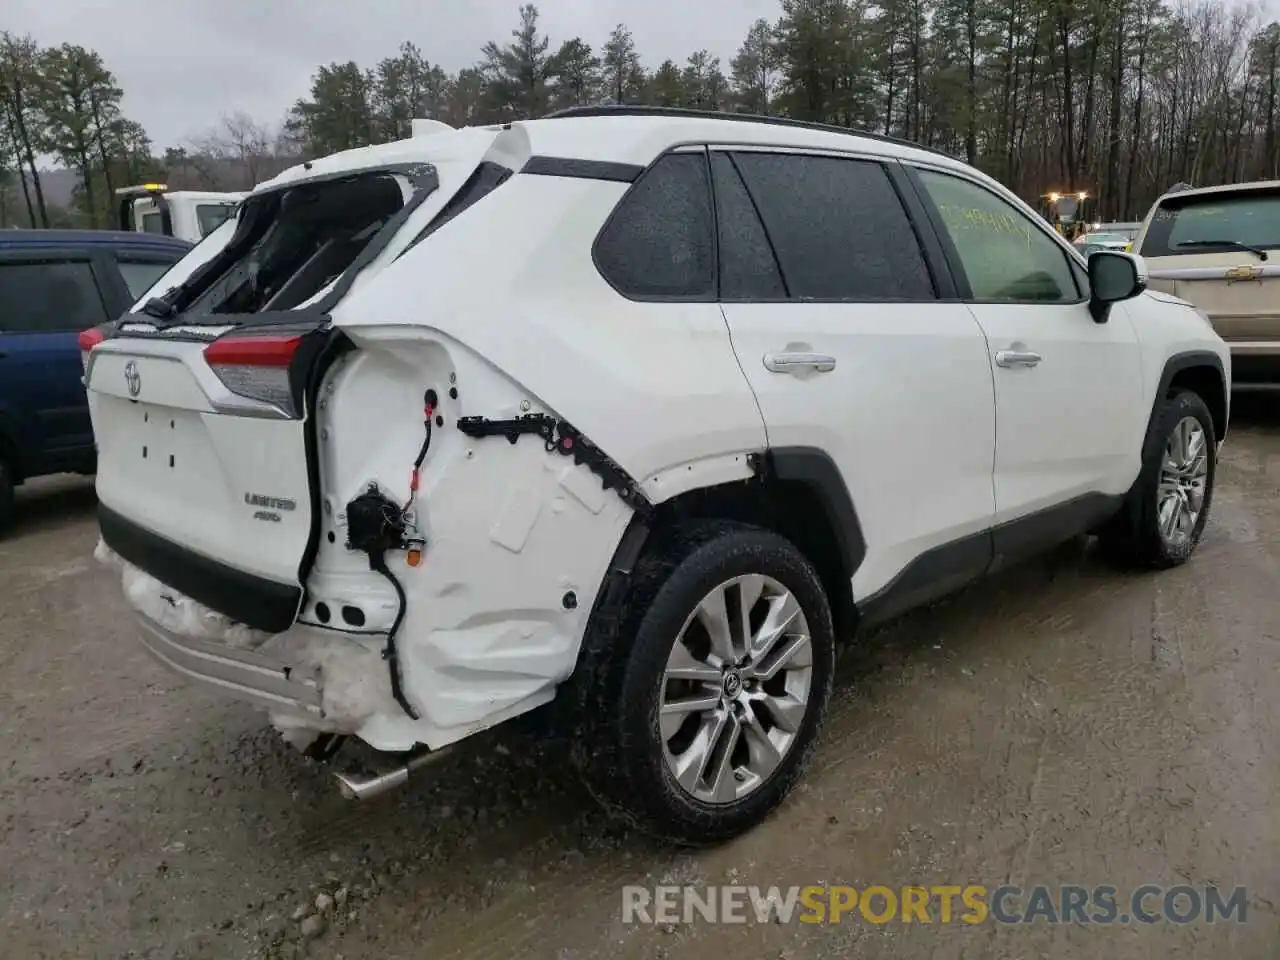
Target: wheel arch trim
{"x":1178,"y":362}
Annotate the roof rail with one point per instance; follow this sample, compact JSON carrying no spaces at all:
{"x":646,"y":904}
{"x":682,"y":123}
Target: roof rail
{"x":641,"y":110}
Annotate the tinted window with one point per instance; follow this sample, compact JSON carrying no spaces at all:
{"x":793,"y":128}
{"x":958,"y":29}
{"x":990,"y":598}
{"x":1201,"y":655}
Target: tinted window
{"x":49,"y":296}
{"x":838,"y":227}
{"x":659,"y":242}
{"x":1251,"y":218}
{"x":153,"y":223}
{"x":141,"y":276}
{"x":1004,"y":256}
{"x":748,"y":268}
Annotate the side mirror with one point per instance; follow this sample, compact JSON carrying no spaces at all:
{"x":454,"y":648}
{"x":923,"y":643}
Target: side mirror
{"x":1113,"y":277}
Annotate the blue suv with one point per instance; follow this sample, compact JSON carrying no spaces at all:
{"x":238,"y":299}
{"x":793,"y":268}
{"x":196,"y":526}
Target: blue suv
{"x":53,"y":285}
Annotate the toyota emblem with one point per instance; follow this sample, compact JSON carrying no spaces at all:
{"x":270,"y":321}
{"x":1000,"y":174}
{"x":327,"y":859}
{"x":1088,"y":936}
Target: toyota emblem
{"x":132,"y":378}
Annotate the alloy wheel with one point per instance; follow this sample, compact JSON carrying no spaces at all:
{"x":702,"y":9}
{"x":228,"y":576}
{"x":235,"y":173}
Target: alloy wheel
{"x":1184,"y":475}
{"x":736,"y":689}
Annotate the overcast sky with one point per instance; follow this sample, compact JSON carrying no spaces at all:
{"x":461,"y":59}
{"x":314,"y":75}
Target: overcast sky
{"x":182,"y":63}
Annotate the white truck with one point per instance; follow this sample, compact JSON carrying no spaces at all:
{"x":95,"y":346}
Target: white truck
{"x":186,"y":214}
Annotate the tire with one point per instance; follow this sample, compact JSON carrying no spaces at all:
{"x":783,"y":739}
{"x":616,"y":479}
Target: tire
{"x":623,"y":747}
{"x":6,"y":494}
{"x":1135,"y":535}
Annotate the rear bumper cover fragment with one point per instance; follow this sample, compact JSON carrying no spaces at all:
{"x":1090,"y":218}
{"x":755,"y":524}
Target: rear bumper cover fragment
{"x":255,"y":601}
{"x":242,"y":674}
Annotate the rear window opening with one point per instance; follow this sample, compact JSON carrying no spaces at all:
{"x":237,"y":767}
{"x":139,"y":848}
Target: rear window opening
{"x":310,"y":238}
{"x":299,"y":246}
{"x":1214,"y":223}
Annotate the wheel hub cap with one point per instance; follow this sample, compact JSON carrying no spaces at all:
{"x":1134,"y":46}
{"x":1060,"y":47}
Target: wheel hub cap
{"x":736,"y":689}
{"x":732,"y":684}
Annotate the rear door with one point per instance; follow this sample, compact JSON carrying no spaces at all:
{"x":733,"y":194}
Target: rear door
{"x":853,"y":347}
{"x":46,"y":299}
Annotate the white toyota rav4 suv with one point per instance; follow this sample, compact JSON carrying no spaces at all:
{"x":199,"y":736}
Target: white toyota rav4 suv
{"x":631,"y":412}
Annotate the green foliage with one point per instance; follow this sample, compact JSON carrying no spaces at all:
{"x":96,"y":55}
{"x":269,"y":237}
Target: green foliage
{"x":1117,"y":97}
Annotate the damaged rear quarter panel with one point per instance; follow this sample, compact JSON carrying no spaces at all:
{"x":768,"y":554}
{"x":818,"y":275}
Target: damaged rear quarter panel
{"x":507,"y":297}
{"x":511,"y":531}
{"x":514,"y":281}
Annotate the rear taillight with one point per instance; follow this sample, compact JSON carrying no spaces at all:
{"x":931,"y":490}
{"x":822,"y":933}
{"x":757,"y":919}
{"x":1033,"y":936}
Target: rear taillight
{"x":88,"y":340}
{"x":257,"y":367}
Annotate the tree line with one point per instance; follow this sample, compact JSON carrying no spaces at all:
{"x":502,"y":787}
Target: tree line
{"x":1120,"y":98}
{"x":63,"y":102}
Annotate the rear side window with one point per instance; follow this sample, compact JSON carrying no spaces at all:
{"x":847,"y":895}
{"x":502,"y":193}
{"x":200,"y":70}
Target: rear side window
{"x":659,"y":242}
{"x":1214,"y":223}
{"x":748,"y":268}
{"x":49,"y":296}
{"x":141,"y":275}
{"x":838,"y":227}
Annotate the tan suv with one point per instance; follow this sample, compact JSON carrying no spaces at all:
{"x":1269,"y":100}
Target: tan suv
{"x":1219,"y":248}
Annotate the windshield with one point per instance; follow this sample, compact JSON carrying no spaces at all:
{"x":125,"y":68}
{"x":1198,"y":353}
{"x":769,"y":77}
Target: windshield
{"x":1106,"y":238}
{"x":1251,"y":218}
{"x":212,"y":215}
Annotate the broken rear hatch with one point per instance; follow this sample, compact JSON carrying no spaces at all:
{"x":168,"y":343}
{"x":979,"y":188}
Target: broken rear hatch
{"x":201,"y":398}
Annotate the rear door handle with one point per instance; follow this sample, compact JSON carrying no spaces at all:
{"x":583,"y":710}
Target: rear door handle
{"x":1017,"y":358}
{"x":796,"y":362}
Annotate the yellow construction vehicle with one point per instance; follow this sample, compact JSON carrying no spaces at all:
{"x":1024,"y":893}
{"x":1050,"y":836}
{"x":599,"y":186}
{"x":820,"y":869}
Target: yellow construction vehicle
{"x":1070,"y":213}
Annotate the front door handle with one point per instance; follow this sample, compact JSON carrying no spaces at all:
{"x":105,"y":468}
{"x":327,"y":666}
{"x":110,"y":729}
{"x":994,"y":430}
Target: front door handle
{"x":1017,"y":358}
{"x":796,"y":362}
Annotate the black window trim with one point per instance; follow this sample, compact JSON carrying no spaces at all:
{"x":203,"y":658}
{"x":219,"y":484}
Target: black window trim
{"x":764,"y":229}
{"x":912,"y":169}
{"x":947,"y":285}
{"x":99,"y":270}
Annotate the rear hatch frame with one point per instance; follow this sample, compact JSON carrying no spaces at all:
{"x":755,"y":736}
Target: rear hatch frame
{"x":257,"y":601}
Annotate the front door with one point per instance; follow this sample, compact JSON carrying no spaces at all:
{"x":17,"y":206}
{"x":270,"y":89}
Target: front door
{"x":1067,"y":387}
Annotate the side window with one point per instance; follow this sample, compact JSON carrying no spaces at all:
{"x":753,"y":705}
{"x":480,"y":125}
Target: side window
{"x":1004,"y":256}
{"x":748,"y":268}
{"x":659,"y":241}
{"x":212,"y":215}
{"x":49,"y":296}
{"x":141,"y":275}
{"x":838,"y":226}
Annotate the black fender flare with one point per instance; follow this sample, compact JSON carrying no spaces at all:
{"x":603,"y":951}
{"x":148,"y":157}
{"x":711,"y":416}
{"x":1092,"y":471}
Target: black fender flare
{"x":808,"y":466}
{"x":1172,"y":367}
{"x":814,"y":468}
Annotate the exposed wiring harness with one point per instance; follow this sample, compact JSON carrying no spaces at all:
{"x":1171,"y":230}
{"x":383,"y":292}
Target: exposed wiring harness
{"x":376,"y":524}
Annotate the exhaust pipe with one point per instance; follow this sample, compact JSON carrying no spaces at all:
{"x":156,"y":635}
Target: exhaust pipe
{"x":365,"y":785}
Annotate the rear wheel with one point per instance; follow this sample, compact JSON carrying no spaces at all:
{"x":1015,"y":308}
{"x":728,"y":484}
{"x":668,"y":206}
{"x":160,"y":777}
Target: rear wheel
{"x":1166,"y":511}
{"x":702,"y":708}
{"x":6,"y":493}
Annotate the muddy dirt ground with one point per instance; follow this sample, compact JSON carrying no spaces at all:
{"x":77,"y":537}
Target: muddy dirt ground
{"x":1064,"y":723}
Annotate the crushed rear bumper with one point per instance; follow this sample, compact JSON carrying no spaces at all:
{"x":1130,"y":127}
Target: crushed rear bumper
{"x":248,"y":675}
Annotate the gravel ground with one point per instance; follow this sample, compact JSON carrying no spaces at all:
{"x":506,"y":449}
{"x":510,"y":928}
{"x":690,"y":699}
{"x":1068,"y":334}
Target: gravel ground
{"x":1064,"y":723}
